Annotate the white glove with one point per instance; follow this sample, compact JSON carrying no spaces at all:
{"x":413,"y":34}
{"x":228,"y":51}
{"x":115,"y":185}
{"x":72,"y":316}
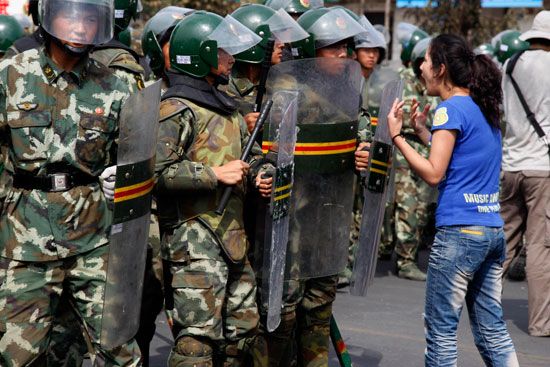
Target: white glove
{"x":107,"y":181}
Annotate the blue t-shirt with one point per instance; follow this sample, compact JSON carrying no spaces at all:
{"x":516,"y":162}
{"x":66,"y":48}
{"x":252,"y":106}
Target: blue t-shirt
{"x":468,"y":195}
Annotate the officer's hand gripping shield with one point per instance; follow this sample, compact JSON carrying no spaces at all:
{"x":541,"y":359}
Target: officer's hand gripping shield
{"x":282,"y":132}
{"x":375,"y":191}
{"x":322,"y":193}
{"x":131,"y":219}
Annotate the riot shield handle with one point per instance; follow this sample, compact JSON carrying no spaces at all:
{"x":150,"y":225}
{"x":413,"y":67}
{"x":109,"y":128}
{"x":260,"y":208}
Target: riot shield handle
{"x":246,"y":152}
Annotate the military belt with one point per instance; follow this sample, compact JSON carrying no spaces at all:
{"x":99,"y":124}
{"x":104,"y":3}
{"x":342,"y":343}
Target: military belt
{"x":53,"y":182}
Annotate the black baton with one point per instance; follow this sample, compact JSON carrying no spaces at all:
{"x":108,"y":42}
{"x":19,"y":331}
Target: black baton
{"x":246,"y":152}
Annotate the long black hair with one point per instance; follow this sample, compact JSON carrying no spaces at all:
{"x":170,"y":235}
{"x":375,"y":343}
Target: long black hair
{"x":478,"y":73}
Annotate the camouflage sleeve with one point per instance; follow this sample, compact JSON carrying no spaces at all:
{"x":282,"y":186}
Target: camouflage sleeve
{"x":364,"y":130}
{"x":173,"y":169}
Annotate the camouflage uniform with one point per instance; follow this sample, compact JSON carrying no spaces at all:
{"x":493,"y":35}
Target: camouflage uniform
{"x":213,"y":288}
{"x":412,"y":194}
{"x":302,"y":337}
{"x":69,"y":351}
{"x":55,"y":242}
{"x":244,"y":92}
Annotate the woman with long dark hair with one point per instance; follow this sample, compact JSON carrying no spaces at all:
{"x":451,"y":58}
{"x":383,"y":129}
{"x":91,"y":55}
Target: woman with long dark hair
{"x":469,"y":248}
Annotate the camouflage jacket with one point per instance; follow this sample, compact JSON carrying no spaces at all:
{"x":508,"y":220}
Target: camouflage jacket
{"x":123,"y":61}
{"x":193,"y":137}
{"x":244,"y":92}
{"x":57,"y":121}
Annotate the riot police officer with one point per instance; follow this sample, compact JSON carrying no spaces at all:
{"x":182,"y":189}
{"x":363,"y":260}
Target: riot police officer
{"x":201,"y":136}
{"x":56,"y":218}
{"x":155,"y":38}
{"x":315,"y":252}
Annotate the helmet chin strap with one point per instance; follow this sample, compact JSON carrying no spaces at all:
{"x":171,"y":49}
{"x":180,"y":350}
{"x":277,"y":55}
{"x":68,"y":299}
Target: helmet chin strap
{"x":71,"y":50}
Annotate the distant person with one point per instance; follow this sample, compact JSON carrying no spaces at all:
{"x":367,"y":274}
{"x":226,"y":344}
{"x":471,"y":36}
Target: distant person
{"x":525,"y":183}
{"x":468,"y":251}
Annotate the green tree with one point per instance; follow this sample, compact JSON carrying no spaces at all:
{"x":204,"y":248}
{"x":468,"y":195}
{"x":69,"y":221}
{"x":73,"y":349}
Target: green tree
{"x":464,"y":18}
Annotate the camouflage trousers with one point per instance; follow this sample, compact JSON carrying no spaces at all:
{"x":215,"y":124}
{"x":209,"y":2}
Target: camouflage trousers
{"x":67,"y":345}
{"x":302,"y":338}
{"x":410,"y":215}
{"x":31,"y":292}
{"x":214,"y":300}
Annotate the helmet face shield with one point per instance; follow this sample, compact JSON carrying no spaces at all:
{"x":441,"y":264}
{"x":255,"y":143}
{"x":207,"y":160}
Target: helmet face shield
{"x":333,"y":27}
{"x":371,"y":38}
{"x":284,"y":28}
{"x":295,"y":6}
{"x":419,"y":50}
{"x":84,"y":22}
{"x":405,"y":32}
{"x":233,"y":37}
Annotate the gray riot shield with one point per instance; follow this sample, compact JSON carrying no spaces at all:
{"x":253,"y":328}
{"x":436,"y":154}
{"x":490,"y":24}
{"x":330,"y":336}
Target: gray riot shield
{"x":329,"y":100}
{"x":131,"y":219}
{"x":282,"y":132}
{"x":375,"y":191}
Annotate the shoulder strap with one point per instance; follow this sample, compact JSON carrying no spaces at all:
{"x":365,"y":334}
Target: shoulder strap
{"x":171,"y":107}
{"x":530,"y":115}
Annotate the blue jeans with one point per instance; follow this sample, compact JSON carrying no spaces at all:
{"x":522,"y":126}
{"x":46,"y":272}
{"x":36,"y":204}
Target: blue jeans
{"x":466,"y":264}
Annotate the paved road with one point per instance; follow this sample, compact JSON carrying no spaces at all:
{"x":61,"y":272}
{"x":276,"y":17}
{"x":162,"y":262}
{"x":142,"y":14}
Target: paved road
{"x":385,"y":329}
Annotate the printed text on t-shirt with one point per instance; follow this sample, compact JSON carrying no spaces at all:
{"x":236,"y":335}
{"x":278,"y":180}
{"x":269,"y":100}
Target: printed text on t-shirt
{"x":484,"y":199}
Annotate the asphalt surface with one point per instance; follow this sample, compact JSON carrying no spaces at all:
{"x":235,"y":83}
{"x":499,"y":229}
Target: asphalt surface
{"x":385,"y":329}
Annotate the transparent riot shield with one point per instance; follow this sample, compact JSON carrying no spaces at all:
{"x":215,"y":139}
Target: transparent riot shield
{"x":375,"y":191}
{"x":381,"y":76}
{"x":132,"y":205}
{"x":282,"y":132}
{"x":329,"y":97}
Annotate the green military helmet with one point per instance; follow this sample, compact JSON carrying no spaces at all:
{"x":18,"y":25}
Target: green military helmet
{"x":371,"y":38}
{"x":102,"y":10}
{"x":485,"y":49}
{"x":419,"y":50}
{"x":10,"y":31}
{"x":125,"y":11}
{"x":507,"y":43}
{"x":409,"y":35}
{"x":266,"y":23}
{"x":295,"y":7}
{"x":125,"y":37}
{"x":195,"y":41}
{"x":156,"y":33}
{"x":351,"y":45}
{"x":326,"y":26}
{"x":349,"y":11}
{"x":418,"y":54}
